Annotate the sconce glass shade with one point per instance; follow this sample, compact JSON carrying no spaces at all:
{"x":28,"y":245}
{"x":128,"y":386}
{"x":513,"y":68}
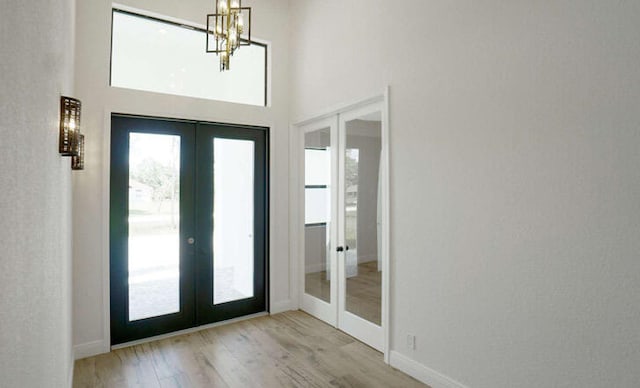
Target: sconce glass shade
{"x":77,"y":162}
{"x":69,"y":126}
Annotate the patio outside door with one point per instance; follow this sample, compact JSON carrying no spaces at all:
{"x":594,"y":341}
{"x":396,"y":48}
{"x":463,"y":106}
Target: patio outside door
{"x":188,"y":224}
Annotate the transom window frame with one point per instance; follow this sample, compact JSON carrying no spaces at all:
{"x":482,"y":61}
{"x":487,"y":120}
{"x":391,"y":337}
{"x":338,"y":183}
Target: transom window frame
{"x":116,"y":8}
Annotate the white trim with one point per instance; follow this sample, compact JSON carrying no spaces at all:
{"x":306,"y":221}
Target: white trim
{"x":281,"y":307}
{"x":144,"y":12}
{"x":106,"y":222}
{"x":294,"y":288}
{"x":338,"y":109}
{"x":89,"y":349}
{"x":72,"y":363}
{"x":296,"y":231}
{"x":422,"y":373}
{"x":187,"y":331}
{"x":386,"y":227}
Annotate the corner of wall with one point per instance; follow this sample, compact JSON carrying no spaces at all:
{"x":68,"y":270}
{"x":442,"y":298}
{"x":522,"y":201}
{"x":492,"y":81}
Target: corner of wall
{"x":90,"y":349}
{"x":281,"y":306}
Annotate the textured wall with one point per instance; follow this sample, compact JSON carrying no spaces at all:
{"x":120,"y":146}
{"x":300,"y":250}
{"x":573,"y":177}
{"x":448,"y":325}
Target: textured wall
{"x":36,"y":67}
{"x":515,"y":147}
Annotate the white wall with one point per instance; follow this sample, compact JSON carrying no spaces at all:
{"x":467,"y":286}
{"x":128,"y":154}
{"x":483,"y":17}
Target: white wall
{"x":92,"y":191}
{"x":515,"y":183}
{"x":36,"y":68}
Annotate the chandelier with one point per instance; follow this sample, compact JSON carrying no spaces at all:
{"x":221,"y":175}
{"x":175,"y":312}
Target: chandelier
{"x":228,"y":29}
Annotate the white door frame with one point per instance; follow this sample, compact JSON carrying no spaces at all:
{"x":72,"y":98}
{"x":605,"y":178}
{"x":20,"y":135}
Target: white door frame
{"x":297,"y":207}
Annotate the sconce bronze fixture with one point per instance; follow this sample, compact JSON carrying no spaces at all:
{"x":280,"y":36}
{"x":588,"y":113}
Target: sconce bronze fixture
{"x":69,"y":126}
{"x":77,"y":162}
{"x":71,"y":141}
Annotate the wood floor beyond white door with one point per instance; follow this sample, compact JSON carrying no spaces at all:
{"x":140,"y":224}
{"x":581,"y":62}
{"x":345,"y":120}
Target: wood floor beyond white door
{"x":291,"y":349}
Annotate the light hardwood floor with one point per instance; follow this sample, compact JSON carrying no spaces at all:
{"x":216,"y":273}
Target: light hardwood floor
{"x":291,"y":349}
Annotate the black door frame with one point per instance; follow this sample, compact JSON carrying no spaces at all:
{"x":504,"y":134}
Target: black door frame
{"x":205,"y":311}
{"x":193,"y":280}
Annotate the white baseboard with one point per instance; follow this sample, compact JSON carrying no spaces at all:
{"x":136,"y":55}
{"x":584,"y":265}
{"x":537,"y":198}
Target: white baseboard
{"x":422,"y":373}
{"x":281,"y":306}
{"x":72,"y":363}
{"x":90,"y":349}
{"x":315,"y":267}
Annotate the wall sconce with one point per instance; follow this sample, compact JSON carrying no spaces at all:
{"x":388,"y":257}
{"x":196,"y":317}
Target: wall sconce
{"x":71,"y":141}
{"x":77,"y":162}
{"x":69,"y":126}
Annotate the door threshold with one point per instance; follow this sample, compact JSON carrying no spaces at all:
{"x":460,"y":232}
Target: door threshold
{"x":187,"y":331}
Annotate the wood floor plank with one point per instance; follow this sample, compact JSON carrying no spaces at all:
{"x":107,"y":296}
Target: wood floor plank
{"x":288,"y":350}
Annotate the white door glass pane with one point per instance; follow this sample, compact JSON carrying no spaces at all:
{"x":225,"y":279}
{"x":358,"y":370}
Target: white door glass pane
{"x":317,"y":167}
{"x":316,"y":204}
{"x":362,"y":219}
{"x":160,"y":57}
{"x":154,"y":225}
{"x":233,"y":224}
{"x":318,"y":214}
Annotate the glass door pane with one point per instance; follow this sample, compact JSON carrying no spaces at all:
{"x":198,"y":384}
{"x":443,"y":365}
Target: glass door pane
{"x":317,"y":213}
{"x":188,"y":224}
{"x":154,"y":225}
{"x":151,"y":227}
{"x":231,"y":221}
{"x":233,"y":226}
{"x":362,"y":218}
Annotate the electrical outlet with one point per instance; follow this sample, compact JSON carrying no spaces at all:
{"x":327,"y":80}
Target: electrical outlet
{"x":411,"y":342}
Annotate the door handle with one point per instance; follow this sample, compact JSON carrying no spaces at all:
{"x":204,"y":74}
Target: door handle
{"x":340,"y":249}
{"x":191,"y":240}
{"x":346,"y":247}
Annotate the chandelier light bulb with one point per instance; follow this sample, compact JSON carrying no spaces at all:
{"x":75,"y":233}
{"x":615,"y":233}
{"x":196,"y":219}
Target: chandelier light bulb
{"x":233,"y":38}
{"x":222,"y":6}
{"x":230,"y":30}
{"x":240,"y":23}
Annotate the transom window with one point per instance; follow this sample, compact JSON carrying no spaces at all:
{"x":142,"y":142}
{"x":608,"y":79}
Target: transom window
{"x":160,"y":56}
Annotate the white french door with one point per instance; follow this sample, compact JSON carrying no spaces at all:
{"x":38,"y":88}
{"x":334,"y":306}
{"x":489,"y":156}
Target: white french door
{"x":345,"y":263}
{"x":320,"y":230}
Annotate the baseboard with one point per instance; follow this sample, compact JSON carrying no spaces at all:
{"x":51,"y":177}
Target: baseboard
{"x":282,"y":306}
{"x":72,"y":363}
{"x":314,"y":267}
{"x":89,"y":349}
{"x":422,"y":373}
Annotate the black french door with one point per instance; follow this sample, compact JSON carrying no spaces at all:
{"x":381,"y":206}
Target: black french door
{"x":188,"y":228}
